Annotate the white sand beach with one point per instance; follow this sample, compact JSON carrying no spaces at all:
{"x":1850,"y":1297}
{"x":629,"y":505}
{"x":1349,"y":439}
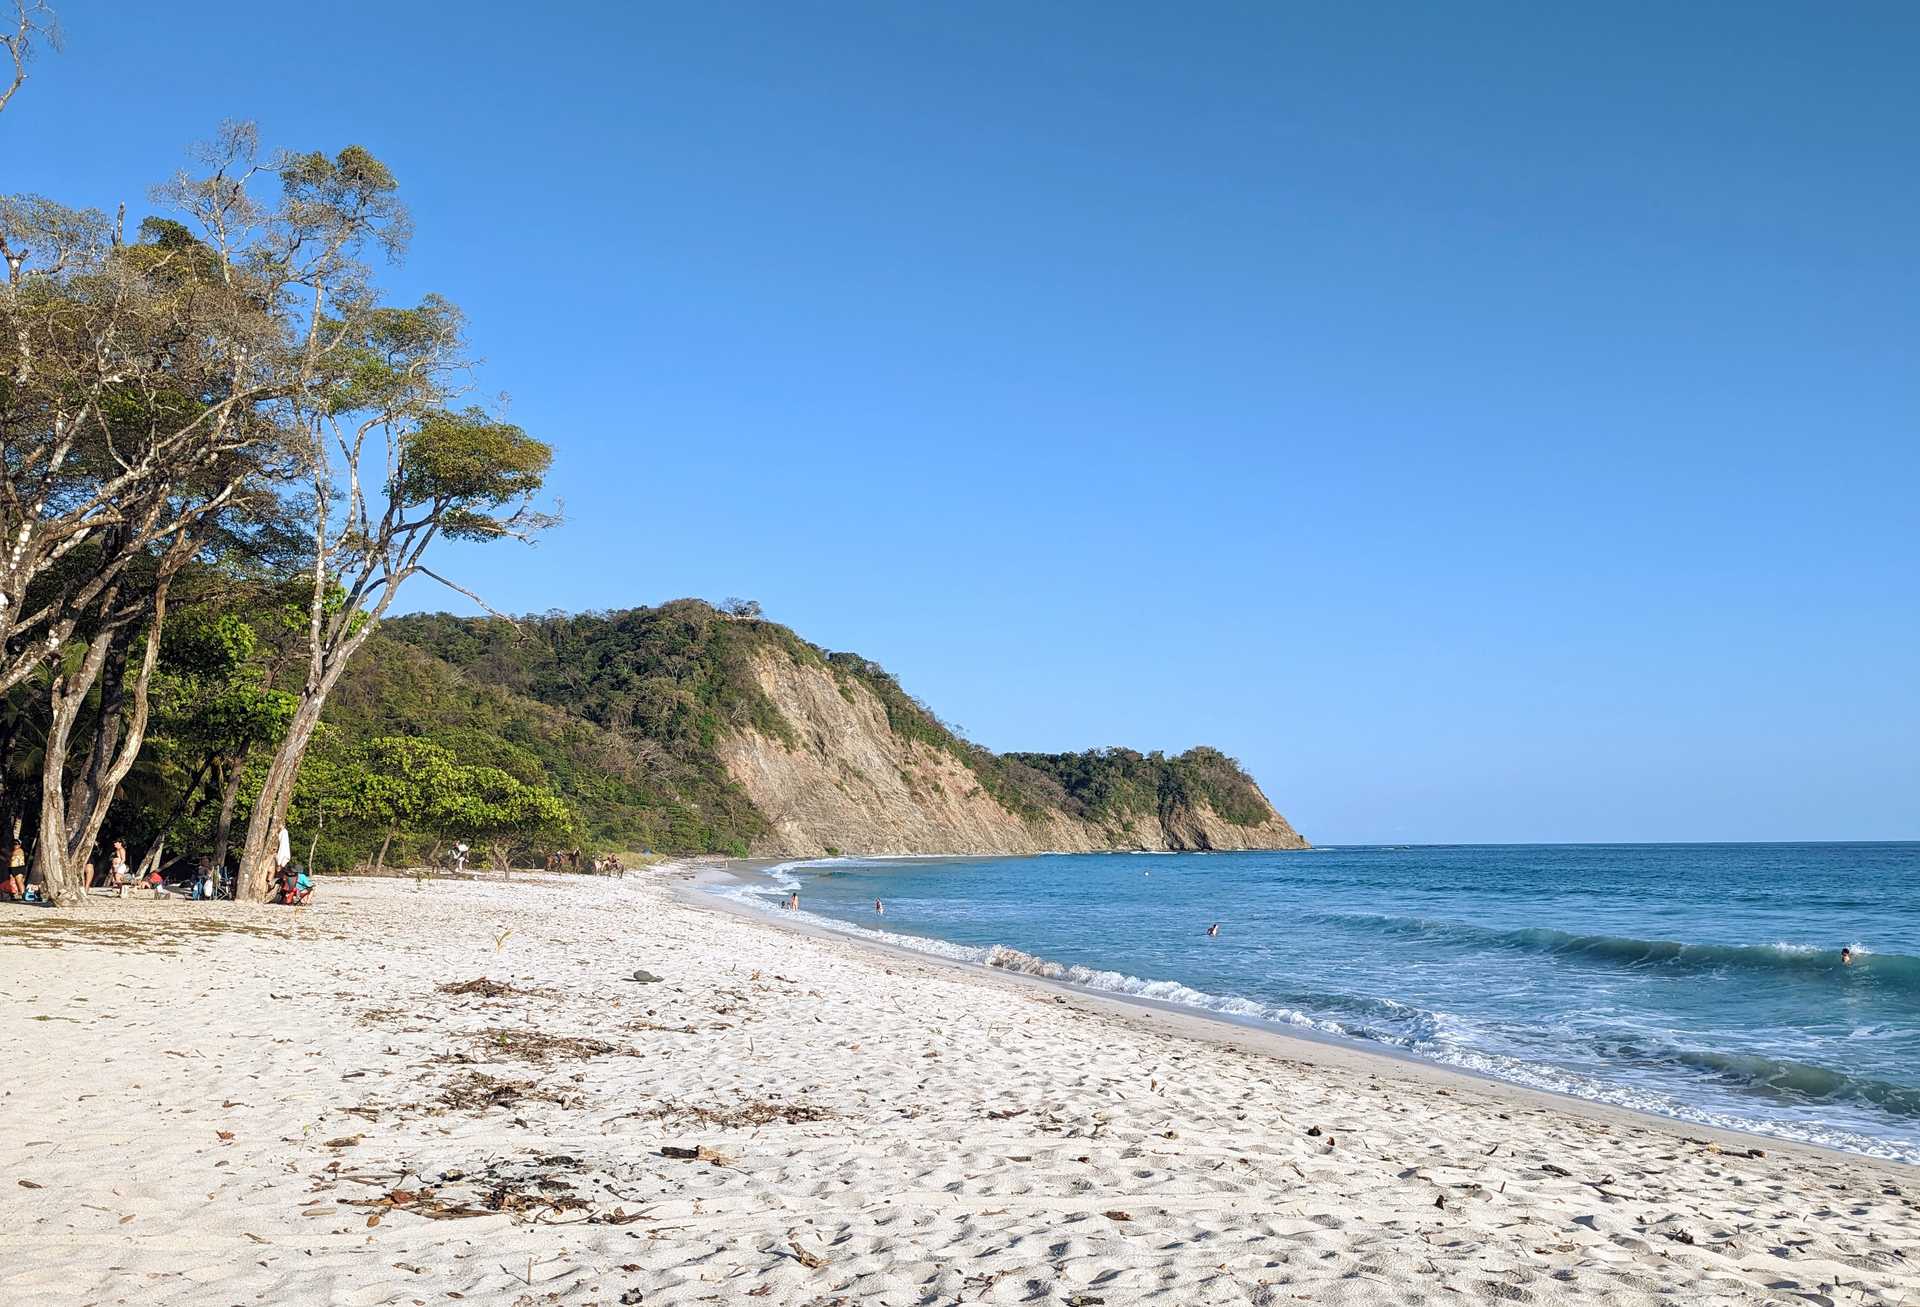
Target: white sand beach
{"x":221,"y":1105}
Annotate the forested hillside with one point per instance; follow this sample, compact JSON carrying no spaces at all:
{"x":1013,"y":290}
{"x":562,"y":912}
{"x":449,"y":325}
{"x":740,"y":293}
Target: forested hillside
{"x":625,"y":791}
{"x":676,"y":729}
{"x":635,"y":718}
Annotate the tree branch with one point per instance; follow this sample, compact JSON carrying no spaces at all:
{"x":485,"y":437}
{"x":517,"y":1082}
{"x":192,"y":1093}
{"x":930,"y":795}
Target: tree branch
{"x":461,"y":589}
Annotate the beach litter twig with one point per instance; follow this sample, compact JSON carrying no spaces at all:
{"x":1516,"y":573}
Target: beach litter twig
{"x":812,"y":1261}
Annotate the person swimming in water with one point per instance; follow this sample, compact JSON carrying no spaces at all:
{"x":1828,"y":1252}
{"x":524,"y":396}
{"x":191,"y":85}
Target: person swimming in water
{"x":1213,"y":930}
{"x":1846,"y":956}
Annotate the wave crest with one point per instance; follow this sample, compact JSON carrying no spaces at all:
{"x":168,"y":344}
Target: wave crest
{"x":1808,"y":961}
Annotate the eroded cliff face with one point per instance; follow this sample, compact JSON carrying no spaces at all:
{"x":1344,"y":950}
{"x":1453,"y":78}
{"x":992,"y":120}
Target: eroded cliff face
{"x":849,"y":784}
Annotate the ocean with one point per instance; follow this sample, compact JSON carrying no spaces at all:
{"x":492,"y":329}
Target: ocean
{"x":1697,"y":981}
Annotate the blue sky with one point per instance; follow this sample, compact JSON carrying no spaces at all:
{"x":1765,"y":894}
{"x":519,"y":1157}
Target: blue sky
{"x":1489,"y":422}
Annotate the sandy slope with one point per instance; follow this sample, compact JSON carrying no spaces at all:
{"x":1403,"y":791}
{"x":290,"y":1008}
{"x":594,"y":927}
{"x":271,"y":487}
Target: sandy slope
{"x":202,"y":1103}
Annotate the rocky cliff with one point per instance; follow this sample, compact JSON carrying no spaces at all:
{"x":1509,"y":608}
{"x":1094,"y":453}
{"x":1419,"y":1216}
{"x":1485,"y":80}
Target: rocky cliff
{"x":850,"y":782}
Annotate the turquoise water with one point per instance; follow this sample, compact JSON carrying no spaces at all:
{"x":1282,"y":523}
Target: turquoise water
{"x":1699,"y":981}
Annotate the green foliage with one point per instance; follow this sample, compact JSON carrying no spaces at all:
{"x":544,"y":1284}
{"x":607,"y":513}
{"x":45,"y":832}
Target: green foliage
{"x":210,"y":692}
{"x":383,"y":362}
{"x":403,"y":783}
{"x":627,"y":792}
{"x":1108,"y":786}
{"x":469,"y":463}
{"x":654,"y":691}
{"x":352,"y":179}
{"x":1211,"y":775}
{"x":680,"y":675}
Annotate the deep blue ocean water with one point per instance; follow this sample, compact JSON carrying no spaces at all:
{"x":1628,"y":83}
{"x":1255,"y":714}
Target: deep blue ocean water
{"x":1702,"y":982}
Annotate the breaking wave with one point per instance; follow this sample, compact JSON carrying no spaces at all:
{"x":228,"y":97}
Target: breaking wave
{"x":1887,"y":970}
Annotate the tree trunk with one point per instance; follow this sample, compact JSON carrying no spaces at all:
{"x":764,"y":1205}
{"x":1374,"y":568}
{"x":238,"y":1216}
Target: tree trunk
{"x":77,"y":828}
{"x":106,"y":731}
{"x":380,"y":858}
{"x":270,"y":807}
{"x":229,"y":798}
{"x":61,"y":880}
{"x":276,"y":790}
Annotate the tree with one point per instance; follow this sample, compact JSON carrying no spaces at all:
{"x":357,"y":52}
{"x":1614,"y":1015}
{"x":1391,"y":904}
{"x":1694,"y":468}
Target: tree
{"x":149,"y":404}
{"x":70,"y":820}
{"x":143,"y":383}
{"x":394,"y":469}
{"x":503,"y":811}
{"x":216,"y":704}
{"x":158,"y":396}
{"x":399,"y":784}
{"x":396,"y":783}
{"x":33,"y":22}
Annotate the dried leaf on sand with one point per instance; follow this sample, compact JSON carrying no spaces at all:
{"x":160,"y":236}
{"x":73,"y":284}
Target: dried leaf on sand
{"x":481,"y":987}
{"x":754,"y":1112}
{"x":537,"y":1046}
{"x":477,"y":1091}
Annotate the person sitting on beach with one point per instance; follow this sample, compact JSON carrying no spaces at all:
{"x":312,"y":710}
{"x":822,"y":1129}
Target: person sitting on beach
{"x":296,"y":886}
{"x":119,"y":874}
{"x":15,"y":883}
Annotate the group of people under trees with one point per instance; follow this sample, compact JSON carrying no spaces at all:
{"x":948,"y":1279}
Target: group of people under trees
{"x":112,"y":873}
{"x":24,"y":883}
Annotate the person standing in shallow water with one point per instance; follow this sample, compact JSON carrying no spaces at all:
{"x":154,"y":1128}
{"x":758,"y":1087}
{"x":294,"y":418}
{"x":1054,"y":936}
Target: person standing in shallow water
{"x":879,"y":907}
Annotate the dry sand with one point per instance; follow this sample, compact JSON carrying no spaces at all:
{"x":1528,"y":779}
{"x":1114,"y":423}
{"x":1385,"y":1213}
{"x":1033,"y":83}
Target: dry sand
{"x":233,"y":1105}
